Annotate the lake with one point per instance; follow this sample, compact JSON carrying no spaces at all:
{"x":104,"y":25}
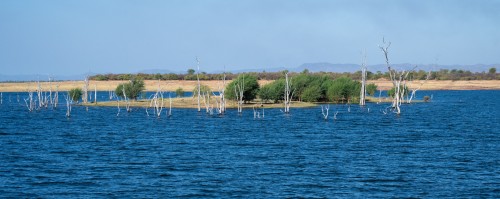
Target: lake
{"x":446,"y":148}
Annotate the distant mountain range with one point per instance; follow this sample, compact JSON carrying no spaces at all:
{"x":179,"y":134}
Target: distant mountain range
{"x":312,"y":67}
{"x":339,"y":68}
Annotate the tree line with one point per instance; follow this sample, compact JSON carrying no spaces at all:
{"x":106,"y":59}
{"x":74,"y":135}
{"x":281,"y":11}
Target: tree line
{"x":443,"y":74}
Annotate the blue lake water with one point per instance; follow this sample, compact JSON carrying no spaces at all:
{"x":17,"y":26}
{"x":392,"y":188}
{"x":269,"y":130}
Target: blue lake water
{"x":446,"y":148}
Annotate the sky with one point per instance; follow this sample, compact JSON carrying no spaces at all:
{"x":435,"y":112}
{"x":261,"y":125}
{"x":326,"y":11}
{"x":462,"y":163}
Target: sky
{"x":67,"y":37}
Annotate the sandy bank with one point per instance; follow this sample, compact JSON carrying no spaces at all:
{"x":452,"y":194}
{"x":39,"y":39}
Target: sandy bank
{"x":152,"y":85}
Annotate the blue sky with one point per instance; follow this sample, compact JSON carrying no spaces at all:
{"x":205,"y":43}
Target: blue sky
{"x":69,"y":37}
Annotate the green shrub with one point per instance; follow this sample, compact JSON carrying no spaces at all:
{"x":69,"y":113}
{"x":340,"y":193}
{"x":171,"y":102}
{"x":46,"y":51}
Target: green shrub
{"x":179,"y":92}
{"x":251,"y":87}
{"x":75,"y":94}
{"x":132,"y":89}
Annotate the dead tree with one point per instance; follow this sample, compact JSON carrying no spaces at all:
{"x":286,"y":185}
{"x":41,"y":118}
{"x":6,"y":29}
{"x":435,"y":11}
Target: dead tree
{"x":69,"y":102}
{"x":85,"y":95}
{"x":199,"y":86}
{"x":397,"y":78}
{"x":239,"y":90}
{"x":30,"y":103}
{"x":221,"y":103}
{"x":257,"y":114}
{"x":170,"y":105}
{"x":118,"y":105}
{"x":362,"y":98}
{"x":110,"y":93}
{"x":158,"y":105}
{"x":206,"y":101}
{"x":95,"y":93}
{"x":41,"y":99}
{"x":56,"y":96}
{"x":51,"y":102}
{"x":288,"y":93}
{"x":127,"y":102}
{"x":414,"y":90}
{"x":324,"y":111}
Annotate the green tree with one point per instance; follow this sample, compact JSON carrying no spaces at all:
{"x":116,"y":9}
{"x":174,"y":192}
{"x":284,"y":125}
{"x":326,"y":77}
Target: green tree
{"x":371,"y":89}
{"x":276,"y":90}
{"x":251,"y":87}
{"x":75,"y":94}
{"x":203,"y":89}
{"x":492,"y":71}
{"x":132,"y":89}
{"x":343,"y":89}
{"x":300,"y":83}
{"x":179,"y":92}
{"x":311,"y":94}
{"x":190,"y":71}
{"x":266,"y":92}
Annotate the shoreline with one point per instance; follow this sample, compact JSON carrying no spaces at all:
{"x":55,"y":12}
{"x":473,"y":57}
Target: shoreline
{"x":187,"y":85}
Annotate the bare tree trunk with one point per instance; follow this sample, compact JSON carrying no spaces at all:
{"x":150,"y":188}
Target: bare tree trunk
{"x":85,"y":95}
{"x":206,"y":100}
{"x":170,"y":105}
{"x":256,"y":113}
{"x":127,"y":103}
{"x":199,"y":86}
{"x":118,"y":105}
{"x":110,"y":93}
{"x":50,"y":92}
{"x":222,"y":100}
{"x":30,"y":103}
{"x":95,"y":93}
{"x":418,"y":88}
{"x":56,"y":96}
{"x":40,"y":95}
{"x":69,"y":102}
{"x":288,"y":93}
{"x":362,"y":100}
{"x":396,"y":77}
{"x":155,"y":101}
{"x":239,"y":90}
{"x":324,"y":111}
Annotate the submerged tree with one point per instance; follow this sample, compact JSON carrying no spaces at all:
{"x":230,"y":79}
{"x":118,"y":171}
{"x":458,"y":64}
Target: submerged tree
{"x":398,"y":78}
{"x":362,"y":96}
{"x":287,"y":99}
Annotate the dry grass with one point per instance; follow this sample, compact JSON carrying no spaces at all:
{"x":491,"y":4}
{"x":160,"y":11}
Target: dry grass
{"x":152,"y":85}
{"x":445,"y":85}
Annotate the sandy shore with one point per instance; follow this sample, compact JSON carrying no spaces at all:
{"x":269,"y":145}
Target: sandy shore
{"x":152,"y":85}
{"x":445,"y":85}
